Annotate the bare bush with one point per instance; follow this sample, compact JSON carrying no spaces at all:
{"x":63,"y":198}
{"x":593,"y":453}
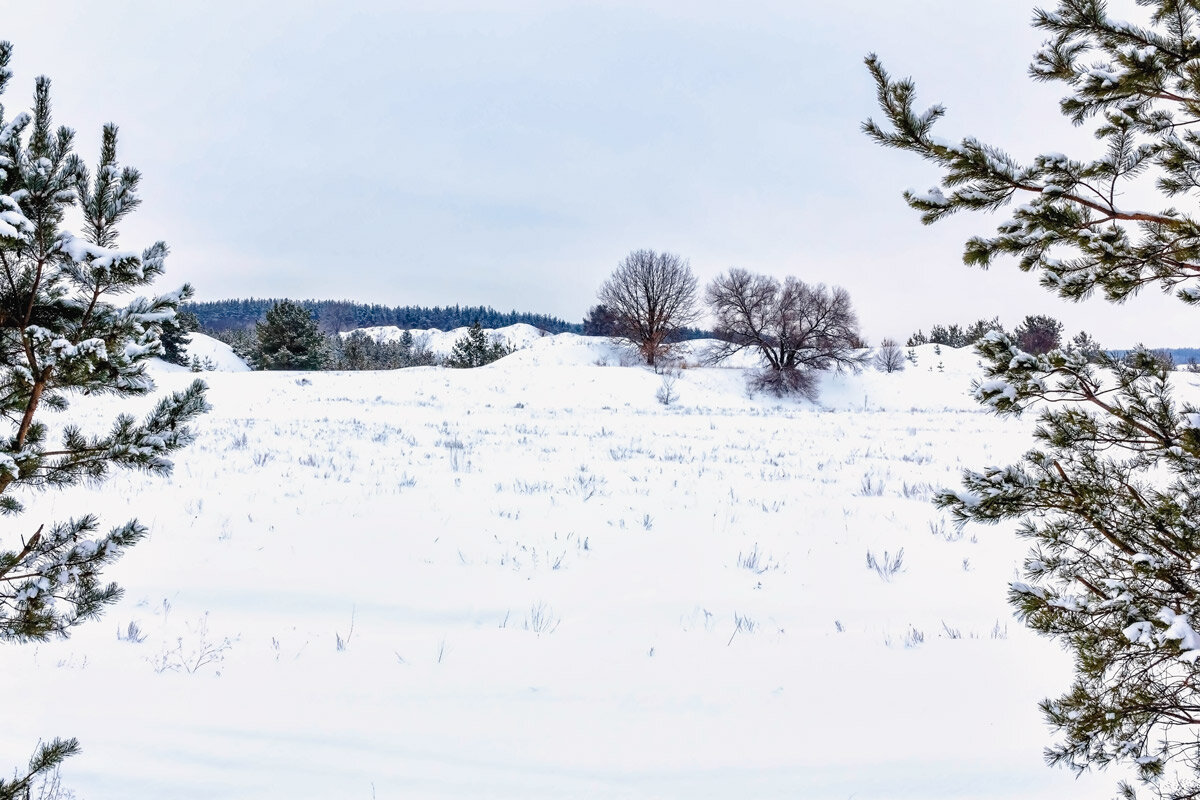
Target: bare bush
{"x":797,"y":329}
{"x":193,"y":655}
{"x":889,"y":358}
{"x":651,"y":297}
{"x":666,"y":393}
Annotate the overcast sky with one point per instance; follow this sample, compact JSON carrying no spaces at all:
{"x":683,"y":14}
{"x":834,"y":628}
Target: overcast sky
{"x":511,"y":153}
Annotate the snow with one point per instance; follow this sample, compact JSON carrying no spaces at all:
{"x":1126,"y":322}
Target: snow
{"x":13,"y":223}
{"x":1178,"y":629}
{"x":998,"y":388}
{"x":442,"y":342}
{"x":217,"y":353}
{"x":933,"y":197}
{"x":1107,"y":77}
{"x":84,"y":252}
{"x":16,"y":124}
{"x":533,"y":580}
{"x":1139,"y":632}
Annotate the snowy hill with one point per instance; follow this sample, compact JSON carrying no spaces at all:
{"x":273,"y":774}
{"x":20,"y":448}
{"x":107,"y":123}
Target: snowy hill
{"x":533,"y":580}
{"x":211,"y":352}
{"x":937,"y":380}
{"x":442,"y":342}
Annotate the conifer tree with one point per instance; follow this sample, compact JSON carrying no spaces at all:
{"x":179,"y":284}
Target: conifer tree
{"x":61,"y":335}
{"x":361,"y":351}
{"x":980,"y":328}
{"x":289,"y":338}
{"x":1110,"y":494}
{"x":1088,"y":346}
{"x":600,"y":321}
{"x":175,"y":337}
{"x":407,"y":342}
{"x":473,"y":349}
{"x":950,"y":335}
{"x":1038,"y":334}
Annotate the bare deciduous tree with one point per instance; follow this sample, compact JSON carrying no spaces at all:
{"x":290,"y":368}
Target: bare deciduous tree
{"x":651,"y":296}
{"x":797,"y":329}
{"x":889,"y":358}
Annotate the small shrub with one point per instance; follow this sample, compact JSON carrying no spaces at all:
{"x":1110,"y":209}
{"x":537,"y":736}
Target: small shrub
{"x":666,"y":393}
{"x":741,"y":624}
{"x":132,"y":633}
{"x":541,"y":619}
{"x":871,"y":486}
{"x":913,"y":637}
{"x":887,"y":567}
{"x":197,"y":652}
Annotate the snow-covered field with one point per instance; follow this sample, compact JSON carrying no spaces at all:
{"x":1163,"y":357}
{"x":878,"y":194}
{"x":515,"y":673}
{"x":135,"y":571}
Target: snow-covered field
{"x":533,"y":580}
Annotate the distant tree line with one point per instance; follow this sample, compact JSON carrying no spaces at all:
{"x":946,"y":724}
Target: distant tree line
{"x":336,"y":316}
{"x":1036,"y":334}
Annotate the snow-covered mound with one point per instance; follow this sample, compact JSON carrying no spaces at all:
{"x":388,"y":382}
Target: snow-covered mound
{"x":940,"y":378}
{"x":442,"y":342}
{"x":212,"y":353}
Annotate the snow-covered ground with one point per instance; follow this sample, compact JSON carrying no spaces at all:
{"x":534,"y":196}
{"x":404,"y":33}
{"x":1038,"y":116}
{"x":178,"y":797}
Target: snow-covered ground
{"x":533,"y":580}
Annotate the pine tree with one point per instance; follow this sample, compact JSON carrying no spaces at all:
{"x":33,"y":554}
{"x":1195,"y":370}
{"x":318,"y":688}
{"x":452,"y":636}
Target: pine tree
{"x":980,"y":328}
{"x":61,"y":335}
{"x":360,"y":351}
{"x":473,"y":349}
{"x":600,"y":321}
{"x":1038,"y":334}
{"x":949,"y":335}
{"x":417,"y":354}
{"x":355,"y":351}
{"x":289,"y":339}
{"x":1110,"y":494}
{"x":1085,"y":344}
{"x":407,"y":342}
{"x":175,"y":338}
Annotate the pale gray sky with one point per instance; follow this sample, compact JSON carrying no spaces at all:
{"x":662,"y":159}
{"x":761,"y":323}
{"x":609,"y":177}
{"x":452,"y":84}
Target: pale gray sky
{"x":511,"y":153}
